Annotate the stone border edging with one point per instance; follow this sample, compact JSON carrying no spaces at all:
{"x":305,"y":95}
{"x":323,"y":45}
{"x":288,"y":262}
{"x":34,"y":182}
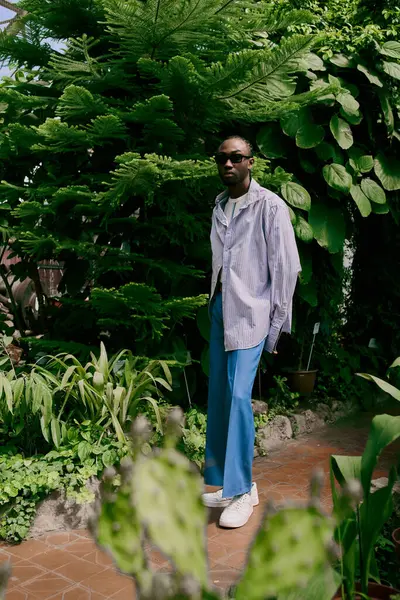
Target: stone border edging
{"x":282,"y":428}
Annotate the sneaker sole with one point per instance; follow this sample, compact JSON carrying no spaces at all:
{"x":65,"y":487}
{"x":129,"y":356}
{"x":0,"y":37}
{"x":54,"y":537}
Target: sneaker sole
{"x":236,"y":525}
{"x":217,"y":503}
{"x":225,"y":503}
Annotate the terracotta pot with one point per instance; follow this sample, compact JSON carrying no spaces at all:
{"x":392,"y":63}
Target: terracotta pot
{"x":396,"y":541}
{"x":302,"y":382}
{"x":376,"y":591}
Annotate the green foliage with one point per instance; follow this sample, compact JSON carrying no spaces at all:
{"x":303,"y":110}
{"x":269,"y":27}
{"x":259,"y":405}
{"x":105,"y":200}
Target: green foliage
{"x":26,"y":481}
{"x":193,"y":443}
{"x":385,"y":554}
{"x":108,"y":392}
{"x":359,"y":531}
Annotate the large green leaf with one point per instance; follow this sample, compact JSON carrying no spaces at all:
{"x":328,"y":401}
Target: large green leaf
{"x":387,"y":169}
{"x":353,"y":119}
{"x":326,"y":151}
{"x":371,"y":75}
{"x":359,"y":161}
{"x":349,"y":103}
{"x":346,"y":468}
{"x":303,"y":230}
{"x":337,"y":177}
{"x":384,"y":385}
{"x":292,"y":122}
{"x":380,"y":209}
{"x":296,"y":195}
{"x":271,"y":141}
{"x":374,"y":512}
{"x":340,"y":60}
{"x":305,"y":254}
{"x":392,"y":69}
{"x":341,"y":131}
{"x":395,"y":363}
{"x":328,"y":225}
{"x":293,"y":216}
{"x":384,"y":98}
{"x":310,"y":135}
{"x":314,"y":62}
{"x":385,"y":429}
{"x":391,"y":49}
{"x":364,"y":205}
{"x":373,"y":191}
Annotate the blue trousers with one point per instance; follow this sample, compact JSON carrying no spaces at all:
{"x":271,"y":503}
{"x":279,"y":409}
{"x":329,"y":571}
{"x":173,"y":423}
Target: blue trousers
{"x":230,"y":421}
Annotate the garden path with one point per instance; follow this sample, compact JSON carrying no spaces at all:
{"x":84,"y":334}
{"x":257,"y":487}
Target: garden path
{"x":68,"y":566}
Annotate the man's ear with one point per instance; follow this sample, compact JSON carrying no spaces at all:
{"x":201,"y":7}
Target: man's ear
{"x":251,"y":163}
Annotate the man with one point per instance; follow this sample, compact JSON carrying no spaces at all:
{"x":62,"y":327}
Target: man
{"x":255,"y":269}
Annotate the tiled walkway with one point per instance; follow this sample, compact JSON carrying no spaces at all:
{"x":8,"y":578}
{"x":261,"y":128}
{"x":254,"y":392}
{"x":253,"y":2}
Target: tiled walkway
{"x":68,"y":566}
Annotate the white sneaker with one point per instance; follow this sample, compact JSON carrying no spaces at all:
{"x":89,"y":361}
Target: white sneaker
{"x":238,"y":512}
{"x":215,"y":499}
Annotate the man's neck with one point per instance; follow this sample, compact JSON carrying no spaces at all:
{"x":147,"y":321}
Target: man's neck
{"x":235,"y":191}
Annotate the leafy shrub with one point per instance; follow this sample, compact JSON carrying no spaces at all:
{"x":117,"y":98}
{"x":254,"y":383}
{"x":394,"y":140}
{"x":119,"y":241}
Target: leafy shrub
{"x":107,"y":392}
{"x":193,"y":442}
{"x":26,"y":481}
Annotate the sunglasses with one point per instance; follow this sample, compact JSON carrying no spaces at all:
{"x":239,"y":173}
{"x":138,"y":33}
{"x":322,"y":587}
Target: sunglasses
{"x":221,"y":158}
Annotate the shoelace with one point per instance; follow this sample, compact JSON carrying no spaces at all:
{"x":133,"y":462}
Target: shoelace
{"x":240,"y":501}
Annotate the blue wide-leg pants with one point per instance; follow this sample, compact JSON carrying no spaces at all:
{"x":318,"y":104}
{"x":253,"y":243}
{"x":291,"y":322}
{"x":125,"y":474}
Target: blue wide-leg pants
{"x":230,"y":421}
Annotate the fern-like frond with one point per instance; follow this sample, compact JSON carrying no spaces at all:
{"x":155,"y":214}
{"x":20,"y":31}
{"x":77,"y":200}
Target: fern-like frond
{"x":59,"y":137}
{"x":271,"y":111}
{"x":77,"y":102}
{"x":159,"y":28}
{"x":106,"y":128}
{"x":261,"y":75}
{"x":141,"y":176}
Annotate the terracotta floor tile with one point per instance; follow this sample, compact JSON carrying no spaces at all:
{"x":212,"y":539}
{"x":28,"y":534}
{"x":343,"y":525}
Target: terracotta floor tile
{"x":28,"y":549}
{"x":128,"y":593}
{"x":5,"y":556}
{"x":61,"y":539}
{"x":53,"y":559}
{"x":223,"y":578}
{"x":82,"y":533}
{"x":77,"y":593}
{"x":237,"y":560}
{"x":81,"y":547}
{"x":24,"y":571}
{"x":78,"y":569}
{"x":99,"y":558}
{"x":16,"y":594}
{"x":108,"y":582}
{"x":45,"y":586}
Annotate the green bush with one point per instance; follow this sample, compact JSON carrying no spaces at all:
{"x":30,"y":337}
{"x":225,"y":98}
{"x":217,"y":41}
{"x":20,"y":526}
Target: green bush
{"x":107,"y":392}
{"x":25,"y":481}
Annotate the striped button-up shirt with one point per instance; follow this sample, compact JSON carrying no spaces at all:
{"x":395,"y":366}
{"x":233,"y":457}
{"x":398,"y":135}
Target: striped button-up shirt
{"x":257,"y":259}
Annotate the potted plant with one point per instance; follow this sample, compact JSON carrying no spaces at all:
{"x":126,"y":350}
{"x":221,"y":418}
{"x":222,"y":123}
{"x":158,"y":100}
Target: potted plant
{"x":396,"y":541}
{"x":360,"y":527}
{"x":303,"y":379}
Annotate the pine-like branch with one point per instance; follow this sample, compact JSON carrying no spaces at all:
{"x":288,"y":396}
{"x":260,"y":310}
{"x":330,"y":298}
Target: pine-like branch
{"x":272,"y":75}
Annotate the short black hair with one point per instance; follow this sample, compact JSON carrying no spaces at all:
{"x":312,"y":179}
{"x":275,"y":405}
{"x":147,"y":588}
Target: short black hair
{"x":239,"y":137}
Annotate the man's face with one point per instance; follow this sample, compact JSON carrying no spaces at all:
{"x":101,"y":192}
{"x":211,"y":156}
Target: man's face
{"x":230,"y":172}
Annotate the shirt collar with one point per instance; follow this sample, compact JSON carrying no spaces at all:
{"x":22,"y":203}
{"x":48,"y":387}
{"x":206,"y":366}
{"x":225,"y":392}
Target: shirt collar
{"x":252,"y":196}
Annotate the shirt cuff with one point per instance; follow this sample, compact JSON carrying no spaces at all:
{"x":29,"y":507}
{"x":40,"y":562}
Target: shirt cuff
{"x":272,"y":339}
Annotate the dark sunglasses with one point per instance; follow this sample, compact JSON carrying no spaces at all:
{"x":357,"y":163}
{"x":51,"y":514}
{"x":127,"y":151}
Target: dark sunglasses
{"x":221,"y":158}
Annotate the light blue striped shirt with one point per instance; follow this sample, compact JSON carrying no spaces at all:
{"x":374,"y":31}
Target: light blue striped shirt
{"x":257,"y":257}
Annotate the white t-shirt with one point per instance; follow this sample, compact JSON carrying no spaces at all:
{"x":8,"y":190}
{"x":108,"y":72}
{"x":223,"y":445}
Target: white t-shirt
{"x":233,"y":206}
